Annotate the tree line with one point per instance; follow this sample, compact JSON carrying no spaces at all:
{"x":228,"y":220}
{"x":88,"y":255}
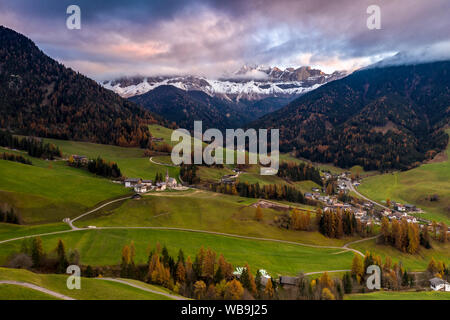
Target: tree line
{"x":104,"y":168}
{"x":32,"y":256}
{"x":188,"y":173}
{"x":99,"y":167}
{"x":270,"y":191}
{"x":34,"y":146}
{"x":299,"y":172}
{"x":9,"y":215}
{"x":208,"y":276}
{"x":15,"y":157}
{"x":338,"y":223}
{"x":403,"y":235}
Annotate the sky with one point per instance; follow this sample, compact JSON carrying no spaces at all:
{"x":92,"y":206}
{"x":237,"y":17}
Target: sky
{"x":214,"y":37}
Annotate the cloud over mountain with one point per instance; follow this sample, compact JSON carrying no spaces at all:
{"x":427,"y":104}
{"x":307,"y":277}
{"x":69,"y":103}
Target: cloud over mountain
{"x":210,"y":37}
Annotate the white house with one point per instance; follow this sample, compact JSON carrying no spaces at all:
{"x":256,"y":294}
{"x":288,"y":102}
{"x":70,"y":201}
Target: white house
{"x":131,"y":182}
{"x":437,"y":284}
{"x":147,"y":183}
{"x":140,"y":188}
{"x":264,"y":276}
{"x":161,"y":186}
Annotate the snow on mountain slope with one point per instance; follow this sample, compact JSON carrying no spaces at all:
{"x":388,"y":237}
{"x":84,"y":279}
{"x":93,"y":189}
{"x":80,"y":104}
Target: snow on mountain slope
{"x":243,"y":84}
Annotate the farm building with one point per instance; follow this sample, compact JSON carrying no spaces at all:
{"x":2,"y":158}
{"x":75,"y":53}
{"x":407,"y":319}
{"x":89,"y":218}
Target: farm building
{"x":131,"y":182}
{"x":140,"y":188}
{"x":438,"y":284}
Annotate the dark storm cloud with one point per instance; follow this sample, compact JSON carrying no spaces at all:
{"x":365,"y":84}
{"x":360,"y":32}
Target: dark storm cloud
{"x":210,"y":37}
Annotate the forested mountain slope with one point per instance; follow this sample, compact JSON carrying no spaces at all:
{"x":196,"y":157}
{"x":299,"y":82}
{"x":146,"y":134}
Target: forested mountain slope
{"x":381,"y":118}
{"x":41,"y":97}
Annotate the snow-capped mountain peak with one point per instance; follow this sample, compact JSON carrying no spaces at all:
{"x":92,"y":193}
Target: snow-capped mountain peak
{"x":249,"y":82}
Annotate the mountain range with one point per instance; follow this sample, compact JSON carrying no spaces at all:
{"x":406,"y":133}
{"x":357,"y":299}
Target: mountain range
{"x":229,"y":102}
{"x":381,"y":117}
{"x":248,"y":83}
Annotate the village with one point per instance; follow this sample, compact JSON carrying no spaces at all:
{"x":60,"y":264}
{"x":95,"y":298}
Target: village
{"x":139,"y":185}
{"x":142,"y":186}
{"x":363,"y":210}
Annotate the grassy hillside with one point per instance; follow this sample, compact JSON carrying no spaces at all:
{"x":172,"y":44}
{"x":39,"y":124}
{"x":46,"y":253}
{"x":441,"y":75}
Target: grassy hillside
{"x":49,"y":191}
{"x":45,"y":194}
{"x":13,"y":292}
{"x":103,"y":247}
{"x":416,"y":262}
{"x":131,"y":161}
{"x":91,"y":289}
{"x":201,"y":210}
{"x":10,"y":231}
{"x":413,"y":186}
{"x":393,"y":295}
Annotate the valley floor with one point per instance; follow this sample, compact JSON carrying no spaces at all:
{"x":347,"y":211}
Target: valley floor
{"x":49,"y":191}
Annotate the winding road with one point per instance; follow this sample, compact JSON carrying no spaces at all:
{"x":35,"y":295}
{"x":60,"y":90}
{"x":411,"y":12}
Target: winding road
{"x":352,"y":188}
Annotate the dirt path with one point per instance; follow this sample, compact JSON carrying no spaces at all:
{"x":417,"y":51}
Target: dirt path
{"x":162,"y":164}
{"x":168,"y":295}
{"x":361,"y":240}
{"x":329,"y":271}
{"x":345,"y":247}
{"x":242,"y":237}
{"x":37,"y":288}
{"x":70,"y":222}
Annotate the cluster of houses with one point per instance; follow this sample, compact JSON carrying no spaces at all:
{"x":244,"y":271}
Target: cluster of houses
{"x":400,"y":211}
{"x":393,"y":215}
{"x":143,"y":186}
{"x":331,"y":203}
{"x":404,"y":207}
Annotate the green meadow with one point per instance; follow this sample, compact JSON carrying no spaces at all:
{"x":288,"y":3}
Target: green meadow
{"x":49,"y":194}
{"x":412,"y":262}
{"x":131,"y":161}
{"x":414,"y":186}
{"x":91,"y":289}
{"x":13,"y":292}
{"x":104,"y":247}
{"x":400,"y":295}
{"x":11,"y":231}
{"x":49,"y":191}
{"x":201,"y":210}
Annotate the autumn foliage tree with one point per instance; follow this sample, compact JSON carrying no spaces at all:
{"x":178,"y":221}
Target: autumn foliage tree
{"x":405,"y":236}
{"x":258,"y":214}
